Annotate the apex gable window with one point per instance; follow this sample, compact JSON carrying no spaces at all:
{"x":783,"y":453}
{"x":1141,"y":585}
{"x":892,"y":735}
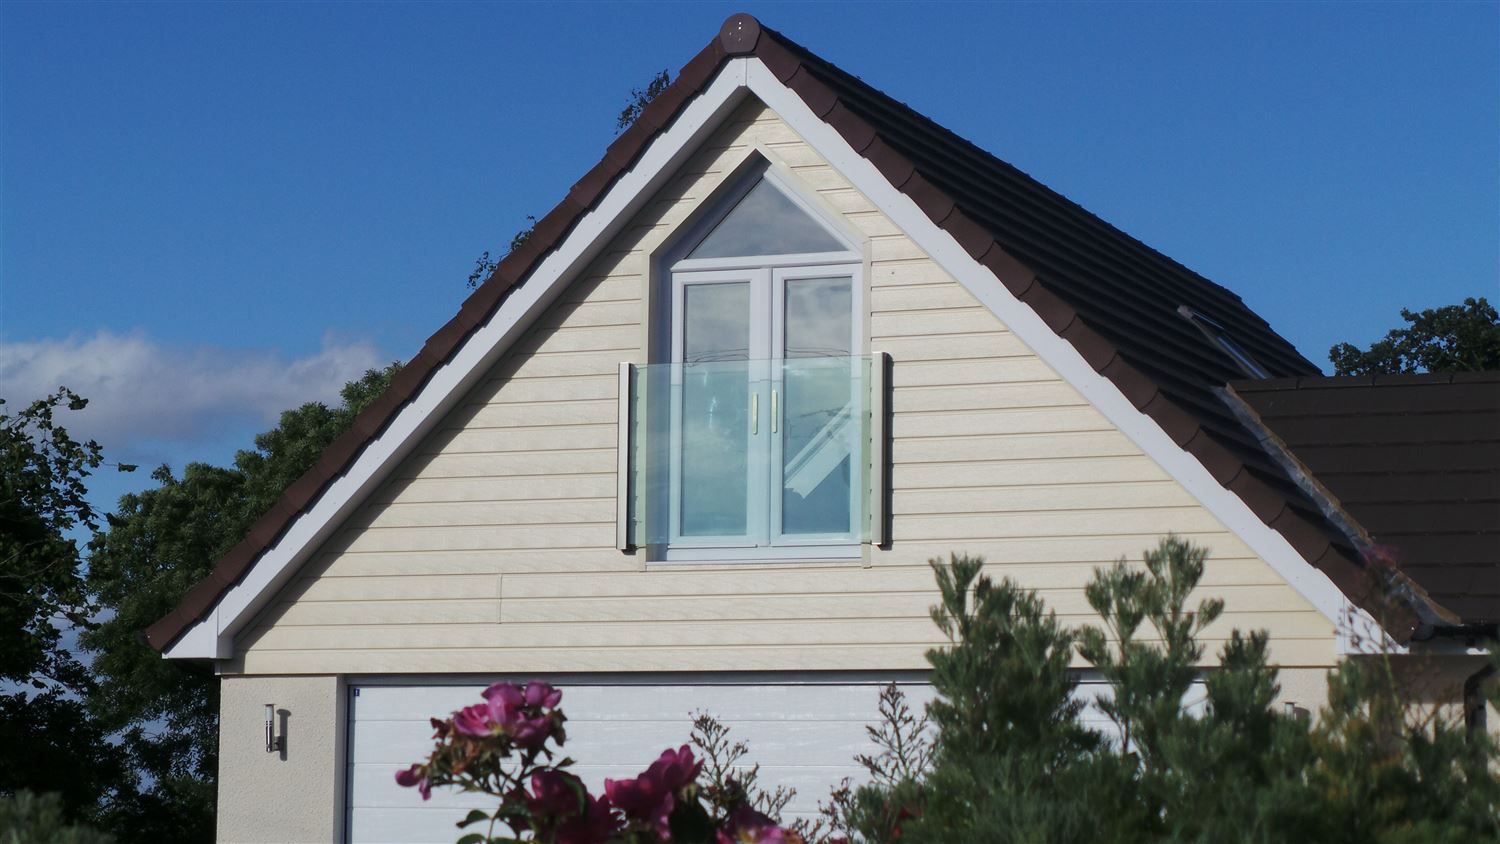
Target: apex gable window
{"x":750,"y":437}
{"x":765,"y":221}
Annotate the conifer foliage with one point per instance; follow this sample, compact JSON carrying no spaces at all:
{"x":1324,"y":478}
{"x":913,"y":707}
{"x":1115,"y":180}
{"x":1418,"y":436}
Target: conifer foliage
{"x":1014,"y":761}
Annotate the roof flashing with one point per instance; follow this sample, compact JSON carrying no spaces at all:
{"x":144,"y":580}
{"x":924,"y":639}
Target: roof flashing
{"x":1219,"y":336}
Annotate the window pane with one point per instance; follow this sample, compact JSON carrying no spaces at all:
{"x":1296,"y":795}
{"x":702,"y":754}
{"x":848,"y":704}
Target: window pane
{"x":715,"y":421}
{"x":820,"y":427}
{"x":820,"y":436}
{"x":765,"y":222}
{"x":819,"y":318}
{"x":716,"y":322}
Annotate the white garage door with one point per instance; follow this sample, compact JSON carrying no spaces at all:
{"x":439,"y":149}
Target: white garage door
{"x":805,"y":735}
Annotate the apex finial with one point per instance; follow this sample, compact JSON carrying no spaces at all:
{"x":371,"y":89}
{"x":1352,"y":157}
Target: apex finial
{"x":739,"y":34}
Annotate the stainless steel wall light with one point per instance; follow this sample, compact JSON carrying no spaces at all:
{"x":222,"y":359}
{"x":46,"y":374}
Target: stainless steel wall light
{"x":274,"y":742}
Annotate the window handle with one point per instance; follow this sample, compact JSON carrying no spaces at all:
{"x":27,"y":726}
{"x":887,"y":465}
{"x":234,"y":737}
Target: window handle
{"x":754,"y":413}
{"x":773,"y":411}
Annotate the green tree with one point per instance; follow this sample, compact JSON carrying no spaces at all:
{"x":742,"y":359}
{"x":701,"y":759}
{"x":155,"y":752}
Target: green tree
{"x":51,"y":744}
{"x":1013,"y":761}
{"x":640,"y":98}
{"x":42,"y":500}
{"x":43,"y":505}
{"x":1385,"y":768}
{"x":1012,"y":757}
{"x":27,"y":818}
{"x":157,"y":545}
{"x":1455,"y":338}
{"x":1199,"y":776}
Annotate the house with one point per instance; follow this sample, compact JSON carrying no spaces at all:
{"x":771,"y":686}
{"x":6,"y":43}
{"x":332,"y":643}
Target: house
{"x":692,"y":445}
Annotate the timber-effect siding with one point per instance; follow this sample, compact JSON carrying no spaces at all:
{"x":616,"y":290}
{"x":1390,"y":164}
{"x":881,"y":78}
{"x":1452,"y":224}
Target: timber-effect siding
{"x":492,"y":548}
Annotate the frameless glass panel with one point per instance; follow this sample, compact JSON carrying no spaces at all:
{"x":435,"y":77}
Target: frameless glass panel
{"x":766,"y":222}
{"x":821,"y":428}
{"x":714,"y":421}
{"x":818,"y":458}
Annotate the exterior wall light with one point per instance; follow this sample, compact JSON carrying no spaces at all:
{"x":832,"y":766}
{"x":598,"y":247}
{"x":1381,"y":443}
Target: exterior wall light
{"x":274,"y":742}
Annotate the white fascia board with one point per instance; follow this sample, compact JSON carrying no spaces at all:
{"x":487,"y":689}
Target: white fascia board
{"x":212,"y":637}
{"x":1057,"y":352}
{"x":201,"y":641}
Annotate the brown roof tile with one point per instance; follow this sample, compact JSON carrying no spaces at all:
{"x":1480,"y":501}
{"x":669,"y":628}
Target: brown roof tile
{"x":1414,"y":460}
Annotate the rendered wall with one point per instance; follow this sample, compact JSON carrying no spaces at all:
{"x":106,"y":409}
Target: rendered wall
{"x":492,"y":549}
{"x":296,"y":795}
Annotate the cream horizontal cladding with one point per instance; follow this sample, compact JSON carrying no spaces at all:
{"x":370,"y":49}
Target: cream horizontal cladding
{"x":492,"y":548}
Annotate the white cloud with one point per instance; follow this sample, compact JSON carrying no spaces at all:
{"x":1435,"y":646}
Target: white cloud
{"x":140,"y":390}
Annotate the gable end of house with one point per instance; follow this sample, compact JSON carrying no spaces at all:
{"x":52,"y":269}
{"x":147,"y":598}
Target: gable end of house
{"x":1008,"y":239}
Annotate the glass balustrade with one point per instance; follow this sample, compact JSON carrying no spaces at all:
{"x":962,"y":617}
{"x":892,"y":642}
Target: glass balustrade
{"x":751,"y":458}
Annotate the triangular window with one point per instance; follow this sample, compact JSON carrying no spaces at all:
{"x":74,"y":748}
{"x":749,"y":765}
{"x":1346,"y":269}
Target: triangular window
{"x":766,"y":222}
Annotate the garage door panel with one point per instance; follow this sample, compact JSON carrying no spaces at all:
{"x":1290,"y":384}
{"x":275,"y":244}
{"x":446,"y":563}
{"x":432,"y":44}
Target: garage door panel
{"x":411,"y":703}
{"x":376,"y":794}
{"x":395,"y":744}
{"x":804,"y":735}
{"x":625,"y":702}
{"x":770,"y":743}
{"x":405,"y":825}
{"x":374,"y":785}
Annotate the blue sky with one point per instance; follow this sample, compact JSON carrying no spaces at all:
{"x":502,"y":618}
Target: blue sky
{"x":212,"y":212}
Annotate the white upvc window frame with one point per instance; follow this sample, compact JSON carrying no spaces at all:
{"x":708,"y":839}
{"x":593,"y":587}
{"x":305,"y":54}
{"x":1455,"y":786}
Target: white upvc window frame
{"x":779,"y":277}
{"x":756,"y":482}
{"x":768,"y":275}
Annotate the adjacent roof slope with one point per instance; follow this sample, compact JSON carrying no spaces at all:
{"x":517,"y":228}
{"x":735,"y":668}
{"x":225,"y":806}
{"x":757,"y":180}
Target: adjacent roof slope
{"x":1115,"y":299}
{"x":1415,"y":460}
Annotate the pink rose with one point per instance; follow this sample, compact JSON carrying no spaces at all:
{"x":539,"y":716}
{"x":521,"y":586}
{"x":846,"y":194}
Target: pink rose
{"x":559,"y":803}
{"x":651,"y":796}
{"x":474,"y":721}
{"x":747,"y":826}
{"x":542,"y":695}
{"x":676,"y":768}
{"x":416,"y":775}
{"x":643,"y":799}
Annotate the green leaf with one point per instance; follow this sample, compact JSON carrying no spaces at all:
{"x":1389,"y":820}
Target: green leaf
{"x":475,"y":816}
{"x":471,"y":838}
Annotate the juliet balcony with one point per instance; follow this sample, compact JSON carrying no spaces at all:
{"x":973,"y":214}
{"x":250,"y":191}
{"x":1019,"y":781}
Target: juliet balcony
{"x":752,"y":459}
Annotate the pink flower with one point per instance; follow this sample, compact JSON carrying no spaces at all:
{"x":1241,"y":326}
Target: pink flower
{"x":555,"y":793}
{"x":523,"y":714}
{"x":643,"y":799}
{"x":542,"y":695}
{"x":559,"y":802}
{"x":747,"y":826}
{"x":416,"y":775}
{"x":651,"y":796}
{"x":596,"y":825}
{"x":504,"y":696}
{"x":675,"y":768}
{"x":531,"y":733}
{"x":475,"y":721}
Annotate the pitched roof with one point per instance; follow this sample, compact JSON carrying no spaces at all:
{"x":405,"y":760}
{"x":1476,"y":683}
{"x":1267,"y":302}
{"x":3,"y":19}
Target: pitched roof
{"x":1414,"y":460}
{"x":1113,"y":298}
